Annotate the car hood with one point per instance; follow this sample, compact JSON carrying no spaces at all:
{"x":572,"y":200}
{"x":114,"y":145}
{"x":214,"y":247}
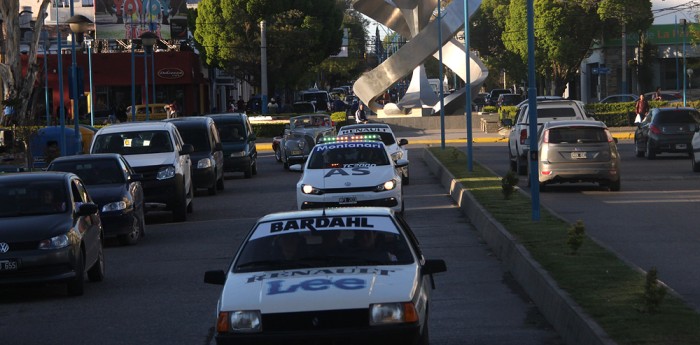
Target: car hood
{"x":348,"y":177}
{"x":151,"y":159}
{"x":34,"y":228}
{"x":233,"y":146}
{"x":318,"y":288}
{"x":105,"y":193}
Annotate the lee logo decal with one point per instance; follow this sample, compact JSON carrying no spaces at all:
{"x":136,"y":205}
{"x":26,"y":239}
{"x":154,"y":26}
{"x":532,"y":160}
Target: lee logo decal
{"x":277,"y":287}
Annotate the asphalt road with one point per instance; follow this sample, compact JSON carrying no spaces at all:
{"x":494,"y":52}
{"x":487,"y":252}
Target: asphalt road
{"x":153,"y":292}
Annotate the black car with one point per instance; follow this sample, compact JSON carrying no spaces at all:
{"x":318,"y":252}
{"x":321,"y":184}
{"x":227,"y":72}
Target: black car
{"x":208,"y":155}
{"x":666,"y":130}
{"x":115,"y":188}
{"x":238,"y":139}
{"x":50,"y":231}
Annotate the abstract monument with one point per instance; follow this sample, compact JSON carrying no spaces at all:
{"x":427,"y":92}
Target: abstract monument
{"x":411,"y":19}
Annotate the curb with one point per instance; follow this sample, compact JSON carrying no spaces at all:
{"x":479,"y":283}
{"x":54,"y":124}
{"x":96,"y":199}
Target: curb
{"x":572,"y":324}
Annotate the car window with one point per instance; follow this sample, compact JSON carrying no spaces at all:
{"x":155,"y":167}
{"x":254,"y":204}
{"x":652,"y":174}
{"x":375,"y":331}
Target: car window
{"x":577,"y":135}
{"x":94,"y":172}
{"x":348,"y":155}
{"x":195,"y":136}
{"x":130,"y":143}
{"x":324,"y":241}
{"x":677,"y":116}
{"x":231,"y":132}
{"x":555,"y":112}
{"x":33,"y":198}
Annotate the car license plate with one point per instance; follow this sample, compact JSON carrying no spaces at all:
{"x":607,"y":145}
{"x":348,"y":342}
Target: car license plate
{"x":347,"y":200}
{"x":578,"y":155}
{"x":681,"y":147}
{"x":9,"y":265}
{"x":296,"y":152}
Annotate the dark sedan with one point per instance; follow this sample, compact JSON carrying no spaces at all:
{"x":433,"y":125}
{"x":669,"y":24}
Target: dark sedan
{"x":666,"y":130}
{"x":114,"y":187}
{"x":50,"y":231}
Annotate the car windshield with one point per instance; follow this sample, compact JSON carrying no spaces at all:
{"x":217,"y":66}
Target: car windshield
{"x":195,"y":136}
{"x":386,"y":136}
{"x":133,"y":143}
{"x":577,"y":135}
{"x":324,"y":242}
{"x":348,"y":155}
{"x":32,"y":198}
{"x":231,"y":132}
{"x":677,"y":116}
{"x":92,"y":172}
{"x":309,"y":122}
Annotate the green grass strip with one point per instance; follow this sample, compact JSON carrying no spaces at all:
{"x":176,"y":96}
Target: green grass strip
{"x":609,"y":290}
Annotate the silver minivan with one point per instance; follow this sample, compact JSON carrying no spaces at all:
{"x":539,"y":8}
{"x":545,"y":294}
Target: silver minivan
{"x":578,"y":151}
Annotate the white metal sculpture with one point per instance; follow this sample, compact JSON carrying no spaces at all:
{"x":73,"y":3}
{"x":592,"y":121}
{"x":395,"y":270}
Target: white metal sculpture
{"x":411,"y":19}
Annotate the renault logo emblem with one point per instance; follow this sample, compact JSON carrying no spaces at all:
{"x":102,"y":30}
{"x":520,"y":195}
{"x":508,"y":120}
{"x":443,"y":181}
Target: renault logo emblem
{"x":4,"y":247}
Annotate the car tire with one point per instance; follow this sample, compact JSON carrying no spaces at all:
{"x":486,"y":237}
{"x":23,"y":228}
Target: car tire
{"x":405,"y":180}
{"x":425,"y":336}
{"x":694,"y":163}
{"x":650,"y":153}
{"x":76,"y":286}
{"x":190,"y":206}
{"x":135,"y":234}
{"x":278,"y":155}
{"x":248,"y":173}
{"x":639,"y":153}
{"x":212,"y":189}
{"x":543,"y":187}
{"x":520,"y":168}
{"x":255,"y":167}
{"x":96,"y":273}
{"x":180,"y":211}
{"x":220,"y":183}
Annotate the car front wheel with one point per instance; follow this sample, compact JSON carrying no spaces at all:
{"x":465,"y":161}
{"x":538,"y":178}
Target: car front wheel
{"x":637,"y":151}
{"x":650,"y":153}
{"x":76,"y":286}
{"x":96,"y":273}
{"x":694,"y":162}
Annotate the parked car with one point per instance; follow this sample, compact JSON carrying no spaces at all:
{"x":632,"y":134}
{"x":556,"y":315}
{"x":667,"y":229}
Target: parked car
{"x":621,"y":98}
{"x":508,"y":99}
{"x":320,"y":98}
{"x":51,"y":231}
{"x":666,"y":130}
{"x":353,"y":171}
{"x":208,"y":155}
{"x":548,"y":110}
{"x":300,"y":136}
{"x":479,"y":101}
{"x":578,"y":151}
{"x":395,"y":148}
{"x":238,"y":140}
{"x":156,"y":151}
{"x":334,"y":276}
{"x":671,"y":96}
{"x":156,"y":112}
{"x":492,"y":98}
{"x":115,"y":188}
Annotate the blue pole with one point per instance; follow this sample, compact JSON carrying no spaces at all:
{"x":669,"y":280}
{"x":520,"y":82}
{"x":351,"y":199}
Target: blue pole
{"x":675,"y":22}
{"x":532,"y":112}
{"x":153,"y":73}
{"x":46,"y":80}
{"x":133,"y":82}
{"x":92,"y":95}
{"x":685,"y":23}
{"x":62,"y":111}
{"x":74,"y":74}
{"x":145,"y":78}
{"x":468,"y":88}
{"x":442,"y":99}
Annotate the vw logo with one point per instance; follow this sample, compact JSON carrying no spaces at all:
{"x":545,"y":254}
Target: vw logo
{"x":4,"y":247}
{"x":347,"y":184}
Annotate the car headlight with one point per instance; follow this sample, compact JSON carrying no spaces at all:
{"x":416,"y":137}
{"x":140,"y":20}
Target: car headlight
{"x":388,"y":185}
{"x":115,"y":206}
{"x":56,"y":242}
{"x":309,"y":189}
{"x":391,"y":313}
{"x":165,"y":173}
{"x":204,"y":163}
{"x":237,"y":154}
{"x":241,"y":321}
{"x":397,"y":155}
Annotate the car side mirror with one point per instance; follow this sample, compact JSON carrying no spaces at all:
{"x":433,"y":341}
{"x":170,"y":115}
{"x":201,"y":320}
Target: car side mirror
{"x":401,"y":163}
{"x":215,"y":277}
{"x":403,"y":142}
{"x":86,"y":209}
{"x":134,"y":177}
{"x":507,"y":122}
{"x":434,"y":266}
{"x":186,"y":149}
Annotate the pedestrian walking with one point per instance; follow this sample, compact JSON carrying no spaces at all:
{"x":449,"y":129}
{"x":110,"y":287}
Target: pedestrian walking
{"x":641,"y":108}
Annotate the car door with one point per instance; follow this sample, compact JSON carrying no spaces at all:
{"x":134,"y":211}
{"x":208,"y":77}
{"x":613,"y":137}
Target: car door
{"x":134,"y":187}
{"x":184,"y":161}
{"x":89,"y":226}
{"x":217,"y":150}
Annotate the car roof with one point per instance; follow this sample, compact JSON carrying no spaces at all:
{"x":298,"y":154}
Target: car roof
{"x":330,"y":212}
{"x":573,"y":123}
{"x":366,"y":125}
{"x":86,"y":157}
{"x":193,"y":121}
{"x":135,"y":126}
{"x":36,"y":176}
{"x":541,"y":99}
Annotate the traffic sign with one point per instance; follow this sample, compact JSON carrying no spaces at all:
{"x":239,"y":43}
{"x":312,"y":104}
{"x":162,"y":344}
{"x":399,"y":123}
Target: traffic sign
{"x":601,"y":70}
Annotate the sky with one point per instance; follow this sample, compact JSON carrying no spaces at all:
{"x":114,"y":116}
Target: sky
{"x":667,"y":11}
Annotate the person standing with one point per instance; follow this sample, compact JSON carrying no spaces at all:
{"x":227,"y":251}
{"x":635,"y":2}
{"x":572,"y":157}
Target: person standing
{"x":240,"y":105}
{"x":360,"y":115}
{"x":657,"y":95}
{"x":272,"y":106}
{"x":641,"y":108}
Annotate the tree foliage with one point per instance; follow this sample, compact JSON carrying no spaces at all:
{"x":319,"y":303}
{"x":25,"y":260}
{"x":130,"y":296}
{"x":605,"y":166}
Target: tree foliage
{"x":300,"y":35}
{"x":339,"y":71}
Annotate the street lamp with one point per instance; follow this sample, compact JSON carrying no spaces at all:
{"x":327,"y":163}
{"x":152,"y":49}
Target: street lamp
{"x":88,"y":43}
{"x":78,"y":24}
{"x":148,"y":39}
{"x":684,"y":23}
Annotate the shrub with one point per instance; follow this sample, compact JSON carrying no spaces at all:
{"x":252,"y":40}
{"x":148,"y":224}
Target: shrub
{"x":490,"y":109}
{"x":654,"y":292}
{"x":577,"y":232}
{"x":508,"y":184}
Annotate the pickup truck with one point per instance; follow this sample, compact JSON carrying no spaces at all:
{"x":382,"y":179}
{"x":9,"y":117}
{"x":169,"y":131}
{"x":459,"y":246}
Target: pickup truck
{"x":547,"y":110}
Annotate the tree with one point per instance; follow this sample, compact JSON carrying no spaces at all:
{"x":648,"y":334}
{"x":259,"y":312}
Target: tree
{"x":17,"y":87}
{"x":300,"y":35}
{"x":338,"y":71}
{"x":559,"y":48}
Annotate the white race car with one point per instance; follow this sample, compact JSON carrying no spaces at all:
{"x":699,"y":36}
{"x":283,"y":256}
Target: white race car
{"x":396,"y":148}
{"x":350,"y":171}
{"x":337,"y":276}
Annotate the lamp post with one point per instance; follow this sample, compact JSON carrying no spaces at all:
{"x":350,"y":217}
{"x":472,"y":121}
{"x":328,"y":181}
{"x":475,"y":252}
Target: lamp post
{"x":468,"y":88}
{"x":61,"y":104}
{"x":78,"y":24}
{"x":684,"y":23}
{"x":442,"y":91}
{"x":45,"y":38}
{"x":88,"y":43}
{"x":148,"y":39}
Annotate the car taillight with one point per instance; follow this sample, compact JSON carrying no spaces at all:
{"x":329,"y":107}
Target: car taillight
{"x":523,"y":136}
{"x":610,"y":137}
{"x":654,"y":129}
{"x":546,"y":136}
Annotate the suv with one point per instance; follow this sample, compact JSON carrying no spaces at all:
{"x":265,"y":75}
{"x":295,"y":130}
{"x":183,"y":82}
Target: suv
{"x":492,"y":97}
{"x":518,"y":139}
{"x":666,"y":130}
{"x":156,"y":151}
{"x":208,"y":154}
{"x":238,"y":140}
{"x":508,"y":99}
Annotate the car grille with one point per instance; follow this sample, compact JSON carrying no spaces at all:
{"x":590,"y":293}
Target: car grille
{"x":149,"y":172}
{"x":27,"y":245}
{"x":348,"y":190}
{"x":316,"y":320}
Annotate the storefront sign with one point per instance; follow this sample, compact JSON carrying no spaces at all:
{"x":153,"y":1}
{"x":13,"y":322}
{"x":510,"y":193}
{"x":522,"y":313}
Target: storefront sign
{"x":171,"y":73}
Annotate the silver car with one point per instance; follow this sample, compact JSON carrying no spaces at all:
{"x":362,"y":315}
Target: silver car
{"x":578,"y":151}
{"x":300,"y":136}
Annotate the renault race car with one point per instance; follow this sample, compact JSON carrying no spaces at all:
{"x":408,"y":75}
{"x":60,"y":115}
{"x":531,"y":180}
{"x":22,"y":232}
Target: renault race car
{"x":395,"y":148}
{"x":337,"y":276}
{"x":350,"y":171}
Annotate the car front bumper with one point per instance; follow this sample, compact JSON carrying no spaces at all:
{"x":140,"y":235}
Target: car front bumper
{"x":204,"y":178}
{"x":38,"y":266}
{"x":391,"y":199}
{"x":118,"y":222}
{"x":237,"y":164}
